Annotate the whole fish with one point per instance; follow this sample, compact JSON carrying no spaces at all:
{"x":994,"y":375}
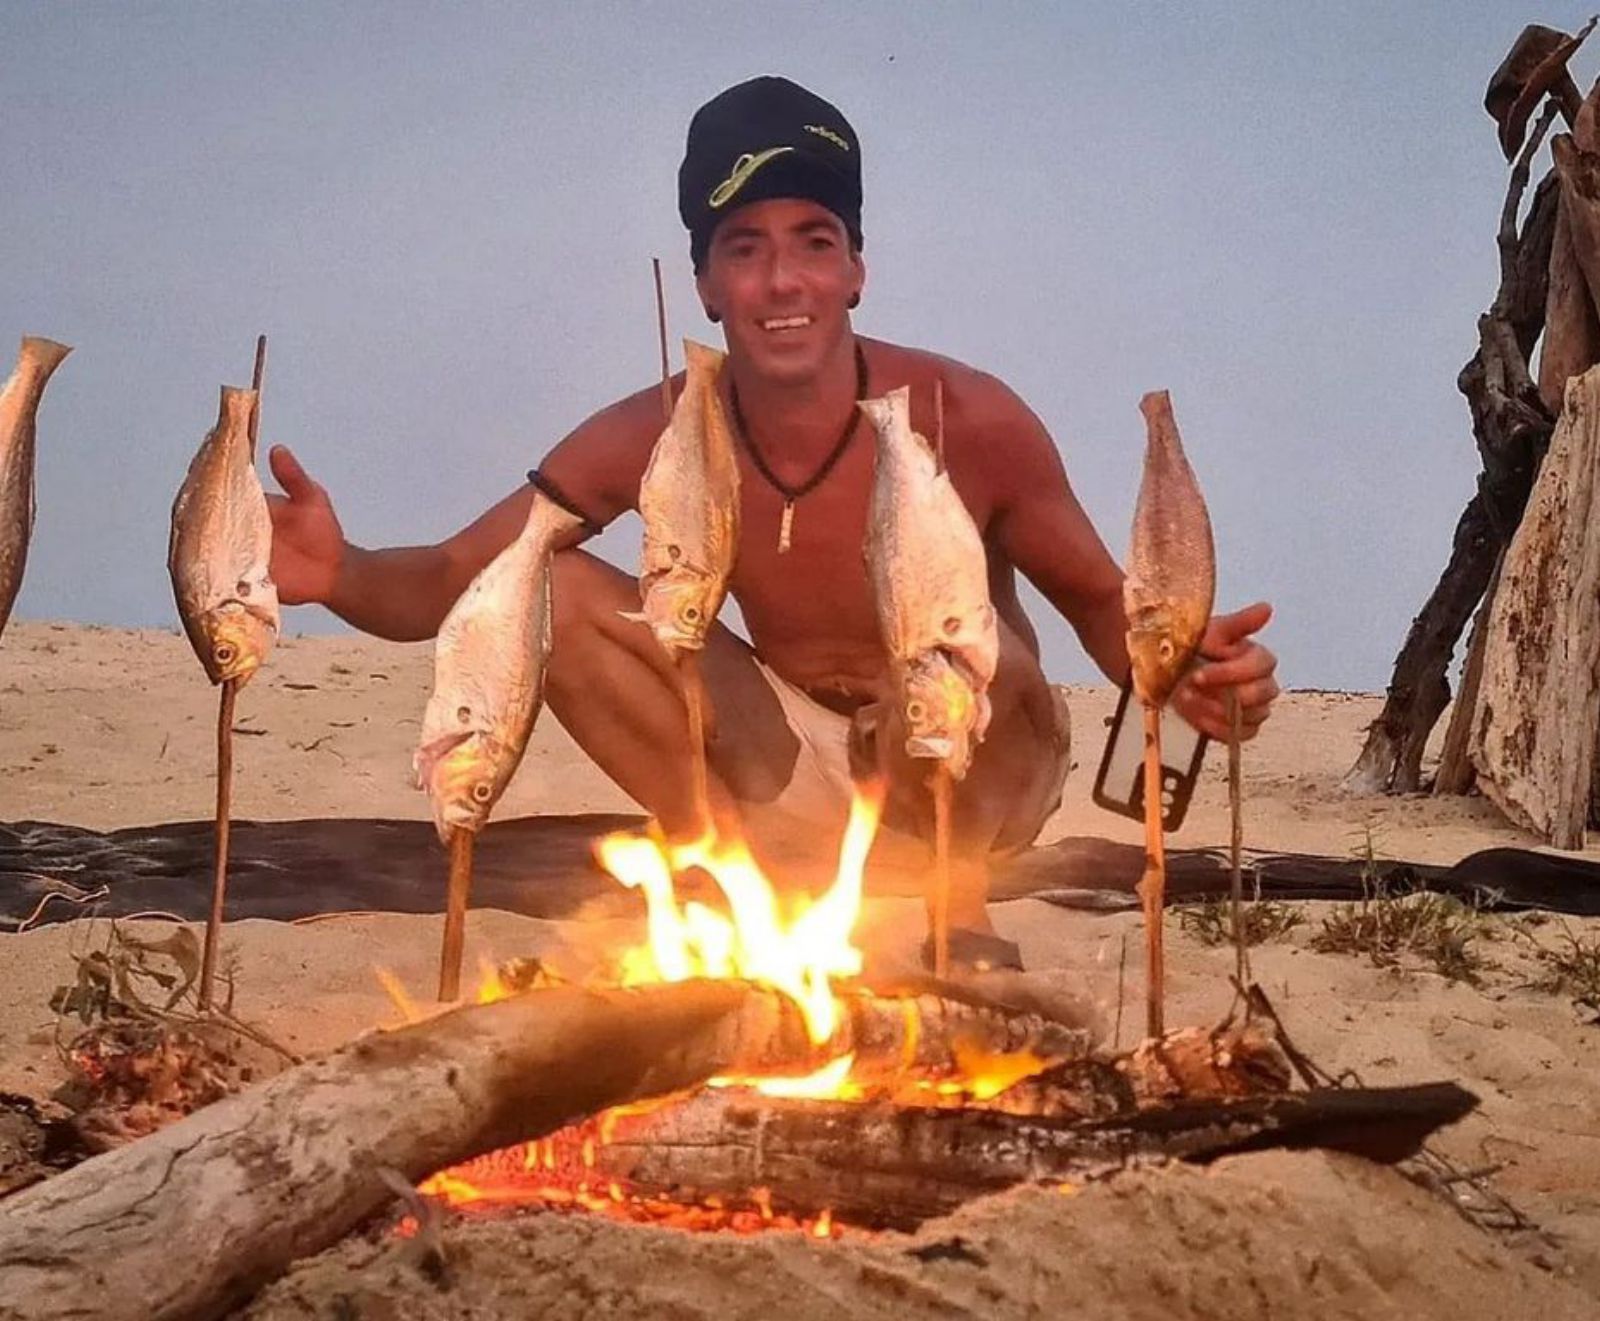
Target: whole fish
{"x":930,"y":583}
{"x":1172,"y":567}
{"x":19,"y":404}
{"x":221,"y":546}
{"x":689,"y":500}
{"x":488,"y":676}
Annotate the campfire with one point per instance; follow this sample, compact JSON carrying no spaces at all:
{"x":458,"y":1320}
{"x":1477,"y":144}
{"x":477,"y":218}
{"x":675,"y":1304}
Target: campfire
{"x":916,"y":1097}
{"x":800,"y":946}
{"x":736,"y":1072}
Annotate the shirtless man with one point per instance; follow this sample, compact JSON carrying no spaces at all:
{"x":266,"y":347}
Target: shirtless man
{"x":770,"y":190}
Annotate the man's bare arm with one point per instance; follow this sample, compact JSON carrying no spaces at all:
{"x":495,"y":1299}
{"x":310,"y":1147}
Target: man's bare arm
{"x":1040,"y":527}
{"x":403,"y":593}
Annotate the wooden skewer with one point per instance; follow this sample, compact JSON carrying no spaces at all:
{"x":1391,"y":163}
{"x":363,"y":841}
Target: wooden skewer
{"x":943,"y":789}
{"x":1153,"y":884}
{"x":694,"y":702}
{"x":455,"y":913}
{"x":1236,"y":839}
{"x":938,"y":423}
{"x":219,"y":881}
{"x":661,"y":332}
{"x":225,"y":704}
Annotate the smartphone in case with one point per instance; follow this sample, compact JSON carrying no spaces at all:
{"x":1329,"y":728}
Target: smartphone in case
{"x":1119,"y":786}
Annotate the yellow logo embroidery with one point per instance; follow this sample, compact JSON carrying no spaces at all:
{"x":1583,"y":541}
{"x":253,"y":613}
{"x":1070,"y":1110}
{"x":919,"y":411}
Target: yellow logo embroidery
{"x":824,"y":132}
{"x":743,"y":168}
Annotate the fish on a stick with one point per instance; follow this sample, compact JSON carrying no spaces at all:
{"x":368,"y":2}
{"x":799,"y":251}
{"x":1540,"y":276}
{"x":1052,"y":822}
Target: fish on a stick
{"x":489,"y":666}
{"x":19,"y":408}
{"x":218,"y":558}
{"x":689,"y":501}
{"x":930,"y":585}
{"x":1168,"y":594}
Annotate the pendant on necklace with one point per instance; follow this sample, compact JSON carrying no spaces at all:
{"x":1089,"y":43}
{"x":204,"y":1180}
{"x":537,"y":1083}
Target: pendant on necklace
{"x":785,"y":527}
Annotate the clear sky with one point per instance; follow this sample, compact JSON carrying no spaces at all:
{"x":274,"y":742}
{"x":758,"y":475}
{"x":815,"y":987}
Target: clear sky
{"x":443,"y":215}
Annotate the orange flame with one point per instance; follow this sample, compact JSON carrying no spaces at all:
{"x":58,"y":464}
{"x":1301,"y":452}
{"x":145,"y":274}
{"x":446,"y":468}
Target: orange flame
{"x":800,"y":955}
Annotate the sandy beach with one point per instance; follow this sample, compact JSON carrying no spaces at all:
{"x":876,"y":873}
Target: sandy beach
{"x":107,"y":728}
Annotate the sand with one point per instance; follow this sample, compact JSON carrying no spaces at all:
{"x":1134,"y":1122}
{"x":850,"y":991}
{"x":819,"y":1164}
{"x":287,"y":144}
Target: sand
{"x":109,"y":728}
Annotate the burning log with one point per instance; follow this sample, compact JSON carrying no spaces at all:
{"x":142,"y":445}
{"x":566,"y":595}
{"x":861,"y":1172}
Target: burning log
{"x":883,"y":1166}
{"x":284,"y":1170}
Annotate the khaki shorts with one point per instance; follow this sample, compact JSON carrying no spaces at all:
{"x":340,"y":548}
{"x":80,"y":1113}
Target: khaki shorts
{"x":817,"y":797}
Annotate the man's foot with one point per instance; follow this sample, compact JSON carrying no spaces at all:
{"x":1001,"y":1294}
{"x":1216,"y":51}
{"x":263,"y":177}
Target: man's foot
{"x":975,"y":951}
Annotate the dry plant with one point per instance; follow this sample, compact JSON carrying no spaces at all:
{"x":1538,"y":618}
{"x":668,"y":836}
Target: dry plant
{"x":139,"y":1050}
{"x":1571,"y":968}
{"x":1211,"y":921}
{"x":1405,"y":929}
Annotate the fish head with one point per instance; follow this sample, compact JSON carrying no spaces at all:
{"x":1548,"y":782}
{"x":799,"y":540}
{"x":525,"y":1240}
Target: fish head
{"x":941,"y":710}
{"x":234,"y":641}
{"x":464,"y":775}
{"x":1162,"y":641}
{"x":680,"y":606}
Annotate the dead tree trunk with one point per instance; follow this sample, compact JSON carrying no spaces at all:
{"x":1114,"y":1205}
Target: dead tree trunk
{"x":249,"y":1184}
{"x":1456,"y":775}
{"x":1511,"y":427}
{"x":1534,"y":729}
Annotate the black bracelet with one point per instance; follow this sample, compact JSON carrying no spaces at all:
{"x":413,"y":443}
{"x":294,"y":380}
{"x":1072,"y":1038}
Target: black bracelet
{"x":556,"y":495}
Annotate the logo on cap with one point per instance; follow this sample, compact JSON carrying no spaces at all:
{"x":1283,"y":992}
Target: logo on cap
{"x":822,"y":131}
{"x":743,"y":168}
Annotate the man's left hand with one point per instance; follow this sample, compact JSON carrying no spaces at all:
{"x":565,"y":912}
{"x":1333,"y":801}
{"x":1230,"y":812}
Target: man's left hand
{"x":1230,"y":659}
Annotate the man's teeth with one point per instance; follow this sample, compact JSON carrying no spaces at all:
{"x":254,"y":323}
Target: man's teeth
{"x":786,"y":323}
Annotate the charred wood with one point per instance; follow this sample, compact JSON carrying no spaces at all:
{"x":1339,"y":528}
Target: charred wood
{"x":892,"y":1167}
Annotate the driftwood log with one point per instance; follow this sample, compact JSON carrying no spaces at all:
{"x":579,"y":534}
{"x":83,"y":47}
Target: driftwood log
{"x":1539,"y":701}
{"x":281,"y":1171}
{"x":1511,"y":427}
{"x":892,"y":1167}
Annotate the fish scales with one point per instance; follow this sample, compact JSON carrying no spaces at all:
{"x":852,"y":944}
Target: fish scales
{"x":221,"y":548}
{"x":19,"y":406}
{"x":689,"y":501}
{"x":930,"y":582}
{"x":490,"y":659}
{"x":1172,"y":570}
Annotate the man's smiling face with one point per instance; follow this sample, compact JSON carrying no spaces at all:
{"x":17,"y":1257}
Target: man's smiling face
{"x":782,"y":275}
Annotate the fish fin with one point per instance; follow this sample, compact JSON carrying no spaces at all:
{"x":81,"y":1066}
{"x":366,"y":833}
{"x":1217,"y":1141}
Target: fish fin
{"x":633,"y":616}
{"x":698,"y":357}
{"x":428,"y":755}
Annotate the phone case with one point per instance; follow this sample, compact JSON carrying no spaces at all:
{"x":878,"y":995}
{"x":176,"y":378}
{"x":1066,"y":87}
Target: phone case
{"x":1119,"y":785}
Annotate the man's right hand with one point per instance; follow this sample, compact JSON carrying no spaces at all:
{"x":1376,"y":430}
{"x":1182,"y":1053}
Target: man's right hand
{"x":307,"y":542}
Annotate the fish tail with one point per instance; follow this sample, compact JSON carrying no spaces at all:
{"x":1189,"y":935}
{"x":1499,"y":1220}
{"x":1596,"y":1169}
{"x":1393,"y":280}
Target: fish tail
{"x":235,"y":409}
{"x":40,"y":356}
{"x":701,"y":360}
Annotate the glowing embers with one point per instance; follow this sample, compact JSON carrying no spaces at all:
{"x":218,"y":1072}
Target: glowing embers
{"x":561,"y":1173}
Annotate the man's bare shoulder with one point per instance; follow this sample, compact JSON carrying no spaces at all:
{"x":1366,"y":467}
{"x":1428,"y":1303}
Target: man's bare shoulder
{"x":979,"y":407}
{"x":600,"y":462}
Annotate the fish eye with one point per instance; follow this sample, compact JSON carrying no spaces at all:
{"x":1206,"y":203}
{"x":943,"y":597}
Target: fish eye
{"x":1165,"y":650}
{"x":223,"y":653}
{"x":242,"y":587}
{"x":952,"y":625}
{"x":691,"y":614}
{"x":915,"y":711}
{"x":482,"y":791}
{"x":463,"y":714}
